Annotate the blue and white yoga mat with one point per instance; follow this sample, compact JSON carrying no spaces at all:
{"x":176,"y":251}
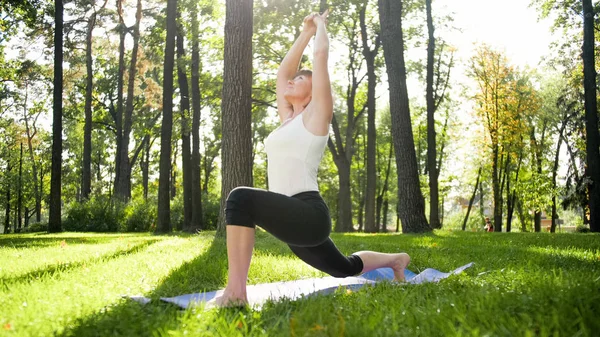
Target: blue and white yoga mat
{"x":258,"y":294}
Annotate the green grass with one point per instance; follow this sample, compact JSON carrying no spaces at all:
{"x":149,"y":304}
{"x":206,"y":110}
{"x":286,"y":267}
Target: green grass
{"x":522,"y":284}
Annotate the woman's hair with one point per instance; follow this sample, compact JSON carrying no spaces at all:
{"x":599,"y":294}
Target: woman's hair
{"x":305,"y":72}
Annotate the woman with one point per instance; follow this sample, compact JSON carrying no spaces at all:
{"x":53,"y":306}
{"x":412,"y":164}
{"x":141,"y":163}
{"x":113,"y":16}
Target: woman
{"x":292,"y":210}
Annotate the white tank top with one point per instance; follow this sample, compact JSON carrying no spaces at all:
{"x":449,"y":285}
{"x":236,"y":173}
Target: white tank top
{"x":294,"y":154}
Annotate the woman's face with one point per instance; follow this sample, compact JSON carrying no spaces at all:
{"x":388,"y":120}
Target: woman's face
{"x":298,"y":88}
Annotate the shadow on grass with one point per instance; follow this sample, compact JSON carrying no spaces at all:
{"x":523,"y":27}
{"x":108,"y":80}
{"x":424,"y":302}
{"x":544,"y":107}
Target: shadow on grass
{"x":129,"y":318}
{"x":60,"y":268}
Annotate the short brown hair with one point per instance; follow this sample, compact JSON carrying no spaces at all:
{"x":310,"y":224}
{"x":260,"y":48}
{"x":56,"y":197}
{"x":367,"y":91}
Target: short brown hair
{"x":305,"y":72}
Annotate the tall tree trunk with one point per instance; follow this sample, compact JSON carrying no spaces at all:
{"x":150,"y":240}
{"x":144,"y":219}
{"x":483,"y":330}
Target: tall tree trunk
{"x":118,"y":117}
{"x":86,"y":172}
{"x":236,"y":104}
{"x":174,"y":171}
{"x":412,"y":204}
{"x":166,"y":132}
{"x":434,"y":214}
{"x":186,"y":150}
{"x":496,"y":190}
{"x":383,"y":195}
{"x":464,"y":225}
{"x":54,"y":220}
{"x":7,"y":209}
{"x":197,"y":221}
{"x":20,"y":193}
{"x":123,"y":187}
{"x":145,"y":163}
{"x":591,"y":115}
{"x":370,"y":224}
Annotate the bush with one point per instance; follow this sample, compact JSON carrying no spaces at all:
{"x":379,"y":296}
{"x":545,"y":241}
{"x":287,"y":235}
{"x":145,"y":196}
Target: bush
{"x":36,"y":227}
{"x":99,"y":214}
{"x":582,"y":229}
{"x":141,"y":216}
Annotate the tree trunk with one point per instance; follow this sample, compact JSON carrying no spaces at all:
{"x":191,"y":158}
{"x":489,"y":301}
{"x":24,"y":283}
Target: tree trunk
{"x":464,"y":225}
{"x":383,"y":195}
{"x":185,"y":133}
{"x":166,"y":132}
{"x":20,"y":193}
{"x":370,"y":224}
{"x":86,"y":172}
{"x":496,"y":190}
{"x":434,"y":214}
{"x":591,"y":115}
{"x":236,"y":104}
{"x":412,"y":204}
{"x":174,"y":172}
{"x":118,"y":117}
{"x":197,"y":221}
{"x":145,"y":163}
{"x":54,"y":220}
{"x":7,"y":209}
{"x":344,"y":219}
{"x":123,"y":187}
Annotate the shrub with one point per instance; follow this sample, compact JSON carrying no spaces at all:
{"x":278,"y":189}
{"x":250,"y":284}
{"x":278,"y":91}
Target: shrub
{"x":99,"y":214}
{"x":582,"y":229}
{"x":141,"y":216}
{"x":36,"y":227}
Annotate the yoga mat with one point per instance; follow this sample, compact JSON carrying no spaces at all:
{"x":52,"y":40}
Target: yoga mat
{"x":258,"y":294}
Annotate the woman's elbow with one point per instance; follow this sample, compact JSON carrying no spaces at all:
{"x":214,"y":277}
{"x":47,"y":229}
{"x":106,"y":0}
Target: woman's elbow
{"x":321,"y":53}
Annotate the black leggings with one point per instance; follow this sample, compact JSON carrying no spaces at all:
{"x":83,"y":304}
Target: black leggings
{"x":302,"y":221}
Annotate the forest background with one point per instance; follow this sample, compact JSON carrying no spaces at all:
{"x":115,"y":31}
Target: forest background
{"x":429,"y":131}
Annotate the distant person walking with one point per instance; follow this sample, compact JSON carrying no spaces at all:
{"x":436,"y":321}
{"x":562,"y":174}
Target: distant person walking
{"x":488,"y":225}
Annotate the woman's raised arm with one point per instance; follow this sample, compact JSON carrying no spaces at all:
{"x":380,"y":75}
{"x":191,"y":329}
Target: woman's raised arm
{"x":322,"y":100}
{"x":289,"y":66}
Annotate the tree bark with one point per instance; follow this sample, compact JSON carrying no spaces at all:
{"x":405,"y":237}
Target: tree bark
{"x":20,"y":193}
{"x":86,"y":172}
{"x":411,"y":202}
{"x":118,"y":117}
{"x":237,"y":101}
{"x":145,"y":163}
{"x":371,"y":225}
{"x":464,"y":225}
{"x":185,"y":132}
{"x":7,"y":209}
{"x":434,"y":214}
{"x":123,"y":186}
{"x":591,"y":115}
{"x":166,"y":132}
{"x":54,"y":220}
{"x":197,"y":221}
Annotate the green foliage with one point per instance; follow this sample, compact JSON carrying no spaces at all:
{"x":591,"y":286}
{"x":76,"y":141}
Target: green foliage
{"x":210,"y":211}
{"x":99,"y":214}
{"x":454,"y":220}
{"x":582,"y":229}
{"x":141,"y":216}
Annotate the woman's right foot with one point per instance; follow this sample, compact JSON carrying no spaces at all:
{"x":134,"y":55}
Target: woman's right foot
{"x":401,"y":262}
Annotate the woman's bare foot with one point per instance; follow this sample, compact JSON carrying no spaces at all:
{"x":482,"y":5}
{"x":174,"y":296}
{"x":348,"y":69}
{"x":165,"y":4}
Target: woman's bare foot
{"x":401,"y":262}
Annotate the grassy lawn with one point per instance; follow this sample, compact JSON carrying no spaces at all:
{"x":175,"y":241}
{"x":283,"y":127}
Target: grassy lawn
{"x":522,"y":284}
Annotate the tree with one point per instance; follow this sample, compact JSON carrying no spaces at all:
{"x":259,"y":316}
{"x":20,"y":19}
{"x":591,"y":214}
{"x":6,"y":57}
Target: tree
{"x":185,"y":131}
{"x":197,"y":221}
{"x":54,"y":221}
{"x":236,"y":150}
{"x":164,"y":206}
{"x":369,"y":54}
{"x":591,"y":115}
{"x":411,"y":203}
